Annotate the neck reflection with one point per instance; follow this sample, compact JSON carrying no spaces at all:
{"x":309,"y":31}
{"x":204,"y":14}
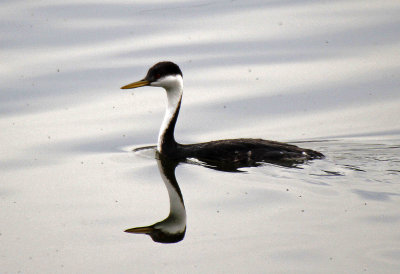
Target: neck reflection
{"x":172,"y":229}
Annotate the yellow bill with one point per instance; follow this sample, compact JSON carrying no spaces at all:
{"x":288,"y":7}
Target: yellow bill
{"x":137,"y":84}
{"x":140,"y":230}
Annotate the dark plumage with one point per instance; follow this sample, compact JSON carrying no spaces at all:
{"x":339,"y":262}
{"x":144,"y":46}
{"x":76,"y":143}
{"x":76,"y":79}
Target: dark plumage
{"x":231,"y":154}
{"x":227,"y":154}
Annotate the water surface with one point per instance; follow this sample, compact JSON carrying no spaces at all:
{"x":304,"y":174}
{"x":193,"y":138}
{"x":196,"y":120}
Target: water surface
{"x":291,"y":70}
{"x":326,"y":212}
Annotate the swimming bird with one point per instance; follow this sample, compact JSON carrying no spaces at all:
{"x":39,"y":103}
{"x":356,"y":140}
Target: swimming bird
{"x":229,"y":153}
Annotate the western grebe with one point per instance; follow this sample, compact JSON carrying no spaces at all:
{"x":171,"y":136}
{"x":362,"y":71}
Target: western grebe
{"x":236,"y":152}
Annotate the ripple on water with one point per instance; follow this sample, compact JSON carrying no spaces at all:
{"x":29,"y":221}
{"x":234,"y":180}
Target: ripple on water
{"x":388,"y":255}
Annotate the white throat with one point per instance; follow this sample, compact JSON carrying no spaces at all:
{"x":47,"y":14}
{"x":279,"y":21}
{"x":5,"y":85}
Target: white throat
{"x":174,"y":88}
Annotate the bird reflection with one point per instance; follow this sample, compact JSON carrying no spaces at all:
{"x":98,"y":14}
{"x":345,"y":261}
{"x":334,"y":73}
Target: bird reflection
{"x":172,"y":229}
{"x":235,"y":164}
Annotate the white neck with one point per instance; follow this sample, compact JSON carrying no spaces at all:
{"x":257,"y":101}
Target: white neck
{"x":174,"y":88}
{"x":176,"y":220}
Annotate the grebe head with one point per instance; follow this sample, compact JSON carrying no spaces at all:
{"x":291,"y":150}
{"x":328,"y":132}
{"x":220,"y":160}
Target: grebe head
{"x":163,"y":74}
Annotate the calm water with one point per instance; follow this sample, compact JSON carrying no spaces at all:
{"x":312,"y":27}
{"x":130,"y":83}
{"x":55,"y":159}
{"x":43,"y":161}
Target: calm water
{"x":333,"y":214}
{"x":68,"y":191}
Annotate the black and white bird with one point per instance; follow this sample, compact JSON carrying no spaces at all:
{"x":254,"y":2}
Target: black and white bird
{"x":227,"y":154}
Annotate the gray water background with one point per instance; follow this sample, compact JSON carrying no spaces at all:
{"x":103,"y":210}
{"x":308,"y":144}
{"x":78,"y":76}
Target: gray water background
{"x":283,"y":70}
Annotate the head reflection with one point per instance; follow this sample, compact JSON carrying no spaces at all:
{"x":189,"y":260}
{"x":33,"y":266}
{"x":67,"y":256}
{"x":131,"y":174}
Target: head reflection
{"x":172,"y":229}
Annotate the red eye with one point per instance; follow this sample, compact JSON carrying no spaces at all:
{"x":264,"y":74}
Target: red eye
{"x":158,"y":75}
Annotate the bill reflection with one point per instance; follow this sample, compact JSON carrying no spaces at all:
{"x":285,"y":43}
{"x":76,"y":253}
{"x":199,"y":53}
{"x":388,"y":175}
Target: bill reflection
{"x":172,"y":229}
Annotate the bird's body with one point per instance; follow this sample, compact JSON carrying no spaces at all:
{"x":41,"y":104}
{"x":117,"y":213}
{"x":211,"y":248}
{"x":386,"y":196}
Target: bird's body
{"x":229,"y":152}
